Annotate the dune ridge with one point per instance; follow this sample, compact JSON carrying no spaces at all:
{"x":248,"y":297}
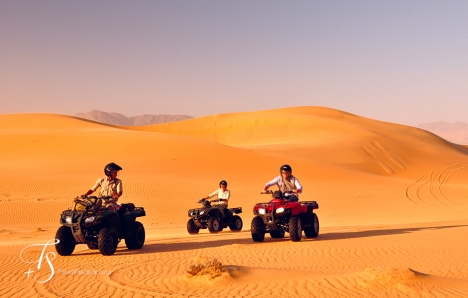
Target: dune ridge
{"x":392,"y":205}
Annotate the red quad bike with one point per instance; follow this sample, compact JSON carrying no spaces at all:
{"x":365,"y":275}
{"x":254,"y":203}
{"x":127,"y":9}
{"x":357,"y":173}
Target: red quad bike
{"x":280,"y":215}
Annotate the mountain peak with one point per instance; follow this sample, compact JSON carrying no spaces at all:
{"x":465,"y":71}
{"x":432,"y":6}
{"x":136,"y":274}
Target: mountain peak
{"x":122,"y":120}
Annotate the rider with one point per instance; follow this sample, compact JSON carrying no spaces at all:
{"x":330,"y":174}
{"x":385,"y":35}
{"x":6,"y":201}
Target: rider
{"x":287,"y":184}
{"x":110,"y":186}
{"x":223,"y":194}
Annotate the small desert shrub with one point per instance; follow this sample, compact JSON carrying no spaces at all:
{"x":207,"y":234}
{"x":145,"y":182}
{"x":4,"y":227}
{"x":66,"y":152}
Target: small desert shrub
{"x":211,"y":268}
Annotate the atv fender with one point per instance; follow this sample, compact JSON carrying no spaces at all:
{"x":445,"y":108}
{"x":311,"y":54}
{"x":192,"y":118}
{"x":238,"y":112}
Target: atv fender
{"x":236,"y":210}
{"x":136,"y":212}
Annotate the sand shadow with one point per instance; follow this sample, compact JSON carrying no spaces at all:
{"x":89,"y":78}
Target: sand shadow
{"x":382,"y":232}
{"x":212,"y":240}
{"x":171,"y":245}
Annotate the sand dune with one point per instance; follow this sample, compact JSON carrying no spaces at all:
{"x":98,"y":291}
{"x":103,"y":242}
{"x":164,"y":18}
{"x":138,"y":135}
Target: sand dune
{"x":392,"y":202}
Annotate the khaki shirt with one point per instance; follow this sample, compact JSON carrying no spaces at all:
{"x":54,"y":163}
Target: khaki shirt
{"x":221,"y":195}
{"x":108,"y":188}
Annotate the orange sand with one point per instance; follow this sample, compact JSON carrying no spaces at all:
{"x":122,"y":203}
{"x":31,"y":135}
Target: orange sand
{"x":393,"y":205}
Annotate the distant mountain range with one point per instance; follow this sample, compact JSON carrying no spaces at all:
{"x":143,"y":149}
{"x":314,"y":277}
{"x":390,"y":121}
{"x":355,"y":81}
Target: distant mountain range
{"x":122,"y":120}
{"x":454,"y":132}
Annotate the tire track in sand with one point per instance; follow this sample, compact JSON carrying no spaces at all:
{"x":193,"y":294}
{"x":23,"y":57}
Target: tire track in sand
{"x":432,"y":190}
{"x":383,"y":158}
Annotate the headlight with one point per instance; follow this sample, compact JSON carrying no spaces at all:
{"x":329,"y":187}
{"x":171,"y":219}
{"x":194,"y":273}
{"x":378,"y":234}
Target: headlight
{"x":202,"y":212}
{"x":68,"y":219}
{"x":261,"y":210}
{"x":89,"y":219}
{"x":280,"y":209}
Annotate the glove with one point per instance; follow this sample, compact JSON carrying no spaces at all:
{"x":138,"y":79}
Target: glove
{"x":83,"y":196}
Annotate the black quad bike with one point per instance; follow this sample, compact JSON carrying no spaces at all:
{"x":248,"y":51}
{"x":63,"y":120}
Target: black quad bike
{"x":90,"y":223}
{"x":280,"y":215}
{"x":215,"y":218}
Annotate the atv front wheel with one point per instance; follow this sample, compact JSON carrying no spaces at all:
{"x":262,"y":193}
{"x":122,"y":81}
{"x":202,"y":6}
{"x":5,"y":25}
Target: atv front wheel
{"x":313,"y":231}
{"x":67,"y":243}
{"x":192,"y":228}
{"x":214,"y":225}
{"x":295,"y":228}
{"x":236,"y":225}
{"x":277,"y":234}
{"x":107,"y":241}
{"x":258,"y":229}
{"x":138,"y":237}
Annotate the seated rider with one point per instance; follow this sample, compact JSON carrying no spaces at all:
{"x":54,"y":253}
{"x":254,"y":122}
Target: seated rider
{"x":223,"y":194}
{"x":287,"y":184}
{"x":110,"y":185}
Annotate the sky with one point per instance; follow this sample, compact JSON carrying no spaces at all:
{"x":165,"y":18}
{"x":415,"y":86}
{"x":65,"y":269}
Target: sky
{"x":400,"y":61}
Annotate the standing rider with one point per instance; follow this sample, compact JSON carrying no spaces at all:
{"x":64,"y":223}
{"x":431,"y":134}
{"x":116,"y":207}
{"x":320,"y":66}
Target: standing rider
{"x":223,"y":194}
{"x":287,"y":184}
{"x":111,"y":186}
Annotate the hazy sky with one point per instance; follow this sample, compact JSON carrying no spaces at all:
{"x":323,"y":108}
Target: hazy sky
{"x":400,"y":61}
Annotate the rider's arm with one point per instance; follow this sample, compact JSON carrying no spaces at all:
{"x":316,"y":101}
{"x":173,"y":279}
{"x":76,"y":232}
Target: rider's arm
{"x":298,"y":186}
{"x":95,"y":186}
{"x":119,"y":190}
{"x":214,"y":193}
{"x":272,"y":182}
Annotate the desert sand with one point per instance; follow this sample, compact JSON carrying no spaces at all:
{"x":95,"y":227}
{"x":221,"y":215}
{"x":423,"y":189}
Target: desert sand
{"x":393,"y":206}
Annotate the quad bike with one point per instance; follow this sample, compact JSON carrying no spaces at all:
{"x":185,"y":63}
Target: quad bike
{"x":215,"y":217}
{"x":280,"y":215}
{"x":90,"y":223}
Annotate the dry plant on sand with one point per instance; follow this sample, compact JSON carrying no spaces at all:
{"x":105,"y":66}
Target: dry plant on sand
{"x":211,"y":268}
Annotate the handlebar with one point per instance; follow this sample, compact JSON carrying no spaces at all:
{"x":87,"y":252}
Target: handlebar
{"x":104,"y":198}
{"x":212,"y":201}
{"x":269,"y":191}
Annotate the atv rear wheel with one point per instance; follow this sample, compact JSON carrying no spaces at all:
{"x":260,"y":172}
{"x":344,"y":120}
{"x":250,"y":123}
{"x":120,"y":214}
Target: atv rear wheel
{"x":295,"y":228}
{"x":258,"y":229}
{"x":277,"y":234}
{"x":67,"y":243}
{"x":138,"y":237}
{"x":192,"y":228}
{"x":107,"y":241}
{"x":92,"y":245}
{"x":236,"y":225}
{"x":313,"y":231}
{"x":214,"y":225}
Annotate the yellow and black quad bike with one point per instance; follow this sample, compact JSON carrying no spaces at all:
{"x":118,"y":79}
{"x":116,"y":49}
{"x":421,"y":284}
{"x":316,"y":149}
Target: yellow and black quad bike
{"x":89,"y":222}
{"x":214,"y":216}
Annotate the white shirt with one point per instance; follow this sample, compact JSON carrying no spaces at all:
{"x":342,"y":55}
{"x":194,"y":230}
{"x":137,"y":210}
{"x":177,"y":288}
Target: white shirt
{"x":277,"y":181}
{"x":221,"y":194}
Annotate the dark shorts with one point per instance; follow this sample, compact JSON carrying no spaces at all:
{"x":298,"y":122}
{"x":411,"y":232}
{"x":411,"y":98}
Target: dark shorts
{"x":292,"y":198}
